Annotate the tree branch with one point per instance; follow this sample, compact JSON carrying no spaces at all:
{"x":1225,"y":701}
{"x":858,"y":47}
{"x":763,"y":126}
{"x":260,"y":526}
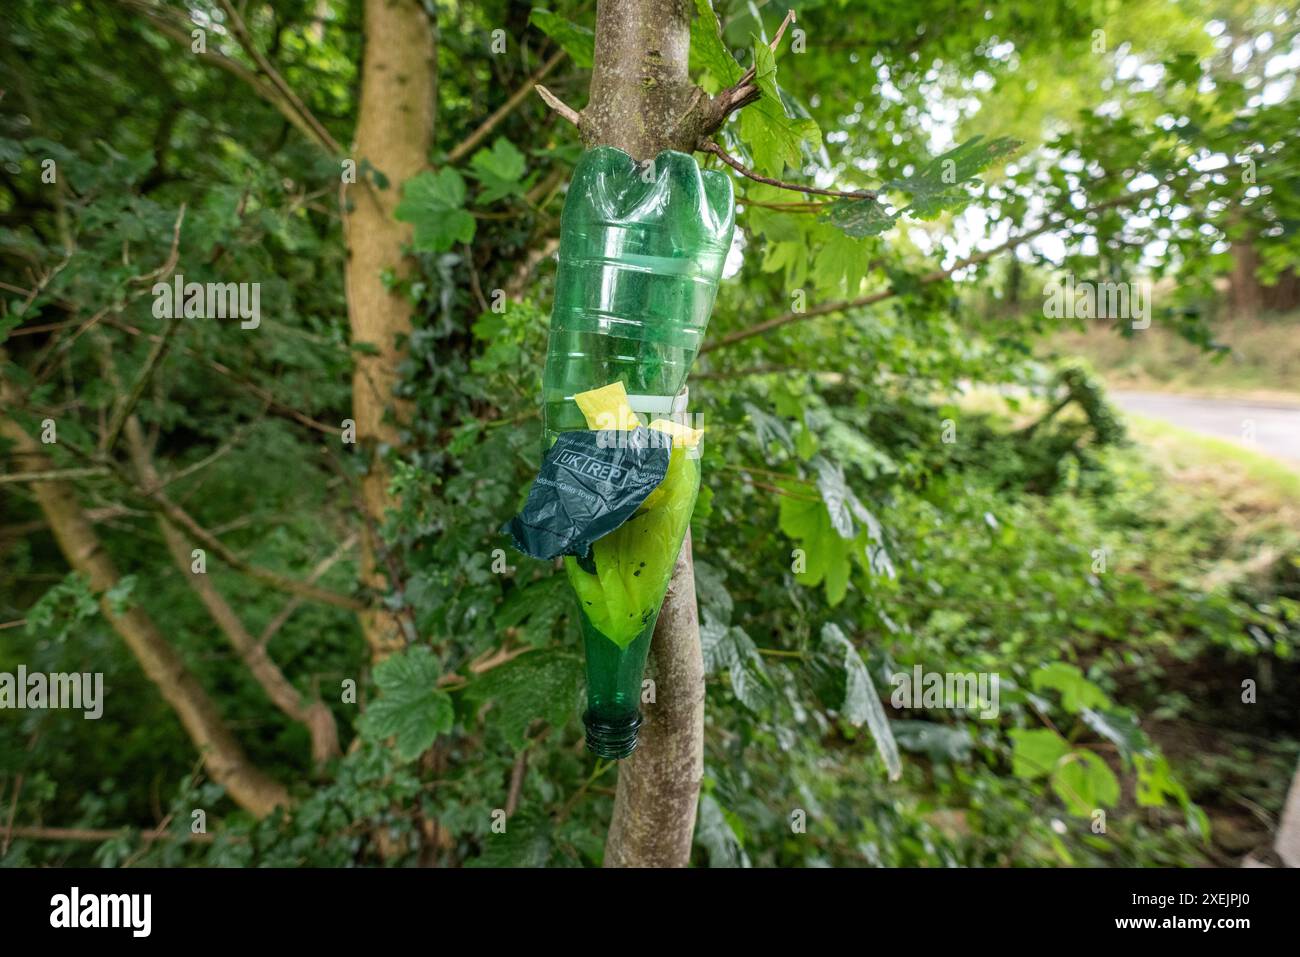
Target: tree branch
{"x":937,"y":275}
{"x":720,"y":153}
{"x":245,"y":40}
{"x":222,"y":755}
{"x":559,"y":106}
{"x":464,"y":148}
{"x":311,"y":714}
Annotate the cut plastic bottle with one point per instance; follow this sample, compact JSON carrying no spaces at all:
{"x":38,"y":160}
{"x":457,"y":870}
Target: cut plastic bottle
{"x":641,"y":252}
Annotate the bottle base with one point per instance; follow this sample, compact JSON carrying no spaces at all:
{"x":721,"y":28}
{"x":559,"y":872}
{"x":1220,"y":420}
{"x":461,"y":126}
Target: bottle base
{"x":612,"y":739}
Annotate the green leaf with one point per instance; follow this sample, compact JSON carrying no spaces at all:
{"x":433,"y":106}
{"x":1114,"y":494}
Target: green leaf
{"x":535,"y":608}
{"x":1085,"y":783}
{"x":860,"y":218}
{"x":119,"y":595}
{"x":1077,"y":692}
{"x":836,"y":495}
{"x":717,"y":836}
{"x":775,"y":138}
{"x":434,"y":203}
{"x":940,"y":742}
{"x":861,"y":703}
{"x":499,"y":170}
{"x":708,"y":52}
{"x":1035,"y":752}
{"x":827,"y":555}
{"x":840,"y":264}
{"x":938,"y":185}
{"x":1121,"y":729}
{"x":576,"y":40}
{"x":410,"y":708}
{"x":538,"y":685}
{"x":1155,"y":781}
{"x":731,"y":649}
{"x":526,"y":842}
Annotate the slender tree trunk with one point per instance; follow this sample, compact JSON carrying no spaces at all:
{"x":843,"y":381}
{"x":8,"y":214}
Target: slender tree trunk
{"x":640,"y":89}
{"x":394,"y":133}
{"x":223,"y":758}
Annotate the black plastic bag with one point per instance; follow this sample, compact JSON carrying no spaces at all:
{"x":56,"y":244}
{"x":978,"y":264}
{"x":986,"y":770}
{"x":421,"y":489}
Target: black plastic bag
{"x":590,"y":483}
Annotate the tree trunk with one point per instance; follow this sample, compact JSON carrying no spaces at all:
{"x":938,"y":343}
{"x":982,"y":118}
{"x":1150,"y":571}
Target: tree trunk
{"x":223,"y":758}
{"x":394,"y":133}
{"x":640,"y":89}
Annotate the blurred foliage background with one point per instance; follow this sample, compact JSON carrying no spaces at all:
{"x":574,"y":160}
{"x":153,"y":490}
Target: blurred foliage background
{"x":961,"y":494}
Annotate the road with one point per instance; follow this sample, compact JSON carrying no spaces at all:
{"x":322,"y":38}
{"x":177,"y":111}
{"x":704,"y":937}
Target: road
{"x":1273,"y":429}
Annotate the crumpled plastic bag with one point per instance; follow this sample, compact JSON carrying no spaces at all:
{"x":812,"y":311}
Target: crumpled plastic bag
{"x":589,"y":484}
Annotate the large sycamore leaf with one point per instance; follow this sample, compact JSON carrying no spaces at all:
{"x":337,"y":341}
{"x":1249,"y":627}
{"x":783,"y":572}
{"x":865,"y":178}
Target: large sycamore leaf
{"x":499,"y":170}
{"x":939,"y":184}
{"x":1085,"y":783}
{"x":708,"y":52}
{"x":1035,"y":752}
{"x":775,"y":138}
{"x":861,"y":704}
{"x":860,"y":218}
{"x":434,"y":204}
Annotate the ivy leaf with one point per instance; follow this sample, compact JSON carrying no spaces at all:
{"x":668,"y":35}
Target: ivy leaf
{"x":860,"y":218}
{"x":1035,"y":752}
{"x":499,"y":170}
{"x":538,"y":685}
{"x":576,"y":40}
{"x":434,"y":203}
{"x":937,"y":185}
{"x":1077,"y":692}
{"x":410,"y":708}
{"x":1085,"y":783}
{"x":861,"y":703}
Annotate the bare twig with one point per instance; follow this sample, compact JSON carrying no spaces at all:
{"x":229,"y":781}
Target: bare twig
{"x":464,"y":148}
{"x":104,"y":834}
{"x":558,"y":105}
{"x":720,"y":153}
{"x":292,"y":605}
{"x":128,"y":403}
{"x":245,"y":38}
{"x":170,"y":262}
{"x":51,"y":475}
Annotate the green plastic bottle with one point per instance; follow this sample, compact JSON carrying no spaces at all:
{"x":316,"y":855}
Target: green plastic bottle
{"x":641,"y":252}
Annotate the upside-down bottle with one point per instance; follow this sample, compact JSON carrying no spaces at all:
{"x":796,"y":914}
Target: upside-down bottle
{"x":641,"y":253}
